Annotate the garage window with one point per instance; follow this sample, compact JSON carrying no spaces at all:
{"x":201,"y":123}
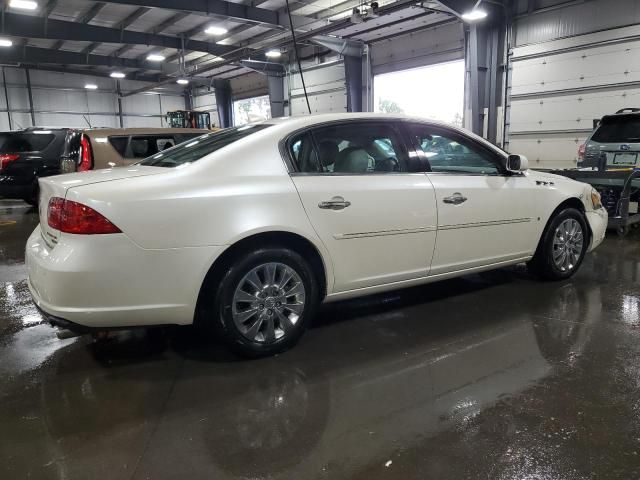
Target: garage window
{"x":250,"y":110}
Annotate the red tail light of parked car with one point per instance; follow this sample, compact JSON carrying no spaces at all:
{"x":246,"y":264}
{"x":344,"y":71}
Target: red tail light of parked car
{"x":73,"y":217}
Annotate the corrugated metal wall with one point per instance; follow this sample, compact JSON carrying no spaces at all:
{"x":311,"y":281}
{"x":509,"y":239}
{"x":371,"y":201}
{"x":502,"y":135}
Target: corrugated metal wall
{"x":60,"y":100}
{"x":559,"y":82}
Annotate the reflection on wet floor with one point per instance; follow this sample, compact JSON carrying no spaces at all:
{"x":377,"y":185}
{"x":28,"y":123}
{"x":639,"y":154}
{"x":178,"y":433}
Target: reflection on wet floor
{"x":491,"y":376}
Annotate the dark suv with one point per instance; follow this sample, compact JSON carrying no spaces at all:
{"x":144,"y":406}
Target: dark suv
{"x":615,"y":143}
{"x":26,"y":155}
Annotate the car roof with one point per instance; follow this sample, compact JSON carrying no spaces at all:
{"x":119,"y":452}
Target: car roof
{"x":289,"y":125}
{"x":142,"y":131}
{"x":301,"y":121}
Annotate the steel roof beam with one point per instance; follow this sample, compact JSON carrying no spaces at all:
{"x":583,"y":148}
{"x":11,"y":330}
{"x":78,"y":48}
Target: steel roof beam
{"x":120,"y":26}
{"x":220,"y":8}
{"x":34,"y":55}
{"x":26,"y":26}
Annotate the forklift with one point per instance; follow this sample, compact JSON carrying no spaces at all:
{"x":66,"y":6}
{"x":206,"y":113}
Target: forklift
{"x":189,"y":119}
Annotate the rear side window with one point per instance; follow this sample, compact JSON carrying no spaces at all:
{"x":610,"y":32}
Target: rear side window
{"x":144,"y":146}
{"x":618,"y":130}
{"x":202,"y":146}
{"x":120,"y":144}
{"x":354,"y":148}
{"x":25,"y":142}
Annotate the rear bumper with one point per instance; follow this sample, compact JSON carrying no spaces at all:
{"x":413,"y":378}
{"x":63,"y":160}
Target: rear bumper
{"x":598,"y":220}
{"x":107,"y":281}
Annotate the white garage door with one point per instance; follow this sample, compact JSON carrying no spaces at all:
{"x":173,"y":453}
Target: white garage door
{"x":326,"y":89}
{"x":558,"y":88}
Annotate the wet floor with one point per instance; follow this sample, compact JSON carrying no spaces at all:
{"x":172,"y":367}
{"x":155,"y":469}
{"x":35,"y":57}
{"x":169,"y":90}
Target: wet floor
{"x":493,"y":376}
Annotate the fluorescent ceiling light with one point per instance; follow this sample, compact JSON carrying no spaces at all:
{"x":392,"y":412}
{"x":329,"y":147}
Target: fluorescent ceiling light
{"x":182,"y":81}
{"x":473,"y":15}
{"x":23,"y":4}
{"x":117,"y":75}
{"x":5,"y":42}
{"x":273,"y":53}
{"x":154,"y":57}
{"x":216,"y":31}
{"x":91,"y":86}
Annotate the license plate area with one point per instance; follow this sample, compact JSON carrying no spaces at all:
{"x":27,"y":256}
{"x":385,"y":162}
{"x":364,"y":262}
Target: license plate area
{"x":625,"y":159}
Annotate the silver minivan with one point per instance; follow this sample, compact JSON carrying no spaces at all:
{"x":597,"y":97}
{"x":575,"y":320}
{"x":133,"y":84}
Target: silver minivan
{"x":615,"y":143}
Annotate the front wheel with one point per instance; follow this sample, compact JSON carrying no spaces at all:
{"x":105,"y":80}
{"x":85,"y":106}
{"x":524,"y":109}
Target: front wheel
{"x":265,"y":301}
{"x":562,"y":246}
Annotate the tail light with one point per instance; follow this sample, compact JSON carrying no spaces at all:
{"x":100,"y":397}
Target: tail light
{"x":5,"y":158}
{"x":73,"y":217}
{"x":86,"y":154}
{"x":581,"y":150}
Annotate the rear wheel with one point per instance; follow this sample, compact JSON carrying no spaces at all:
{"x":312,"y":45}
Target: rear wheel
{"x":265,"y":301}
{"x":562,"y":246}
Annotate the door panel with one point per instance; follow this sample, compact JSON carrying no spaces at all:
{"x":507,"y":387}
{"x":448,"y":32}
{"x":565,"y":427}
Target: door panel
{"x":377,"y":220}
{"x":484,"y":212}
{"x":387,"y":233}
{"x":493,"y":224}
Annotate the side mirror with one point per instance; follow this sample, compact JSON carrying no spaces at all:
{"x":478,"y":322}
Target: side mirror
{"x":517,"y":163}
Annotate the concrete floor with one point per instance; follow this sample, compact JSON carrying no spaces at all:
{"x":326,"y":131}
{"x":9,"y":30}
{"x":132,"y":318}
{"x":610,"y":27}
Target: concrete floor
{"x":494,"y":376}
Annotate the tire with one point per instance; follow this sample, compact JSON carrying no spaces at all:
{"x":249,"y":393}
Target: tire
{"x":252,"y":292}
{"x":550,"y":261}
{"x":623,"y":231}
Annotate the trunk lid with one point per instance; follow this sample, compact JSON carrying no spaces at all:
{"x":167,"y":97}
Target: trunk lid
{"x":57,"y":186}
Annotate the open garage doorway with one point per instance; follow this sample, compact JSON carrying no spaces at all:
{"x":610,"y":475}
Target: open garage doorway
{"x":435,"y":92}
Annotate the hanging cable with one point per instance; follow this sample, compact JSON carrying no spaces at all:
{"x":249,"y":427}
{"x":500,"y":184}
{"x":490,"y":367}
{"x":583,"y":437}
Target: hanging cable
{"x":295,"y":52}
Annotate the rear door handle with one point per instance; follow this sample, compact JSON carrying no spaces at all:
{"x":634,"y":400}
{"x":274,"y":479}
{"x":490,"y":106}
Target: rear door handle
{"x":455,"y":199}
{"x":336,"y":203}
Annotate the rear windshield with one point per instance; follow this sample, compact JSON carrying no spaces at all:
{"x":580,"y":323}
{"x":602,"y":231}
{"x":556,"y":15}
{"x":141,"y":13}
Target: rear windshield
{"x":24,"y":142}
{"x":199,"y":147}
{"x":618,"y":130}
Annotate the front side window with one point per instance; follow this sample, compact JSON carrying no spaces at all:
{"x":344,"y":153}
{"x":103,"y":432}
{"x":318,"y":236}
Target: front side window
{"x":349,"y":149}
{"x":199,"y":147}
{"x":450,"y":152}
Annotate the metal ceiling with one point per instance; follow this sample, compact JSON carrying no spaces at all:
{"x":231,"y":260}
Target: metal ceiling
{"x":119,"y":34}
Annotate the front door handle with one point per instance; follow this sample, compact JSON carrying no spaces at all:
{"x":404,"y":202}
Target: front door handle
{"x":336,"y":203}
{"x":455,"y":199}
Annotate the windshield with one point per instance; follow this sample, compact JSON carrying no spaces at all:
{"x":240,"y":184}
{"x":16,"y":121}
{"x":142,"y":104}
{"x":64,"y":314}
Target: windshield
{"x":24,"y":142}
{"x":200,"y":147}
{"x":618,"y":130}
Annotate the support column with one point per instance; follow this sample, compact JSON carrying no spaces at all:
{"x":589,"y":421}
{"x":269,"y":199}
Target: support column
{"x":353,"y":76}
{"x":31,"y":112}
{"x":6,"y":98}
{"x":275,"y":80}
{"x":276,"y":95}
{"x":485,"y":54}
{"x":224,"y":103}
{"x":119,"y":93}
{"x":188,"y":100}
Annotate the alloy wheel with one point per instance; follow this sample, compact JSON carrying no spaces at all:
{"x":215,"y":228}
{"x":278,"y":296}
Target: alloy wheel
{"x":568,"y":241}
{"x":268,"y":302}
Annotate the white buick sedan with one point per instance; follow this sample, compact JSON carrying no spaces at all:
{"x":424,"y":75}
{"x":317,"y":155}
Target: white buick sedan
{"x":249,"y":229}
